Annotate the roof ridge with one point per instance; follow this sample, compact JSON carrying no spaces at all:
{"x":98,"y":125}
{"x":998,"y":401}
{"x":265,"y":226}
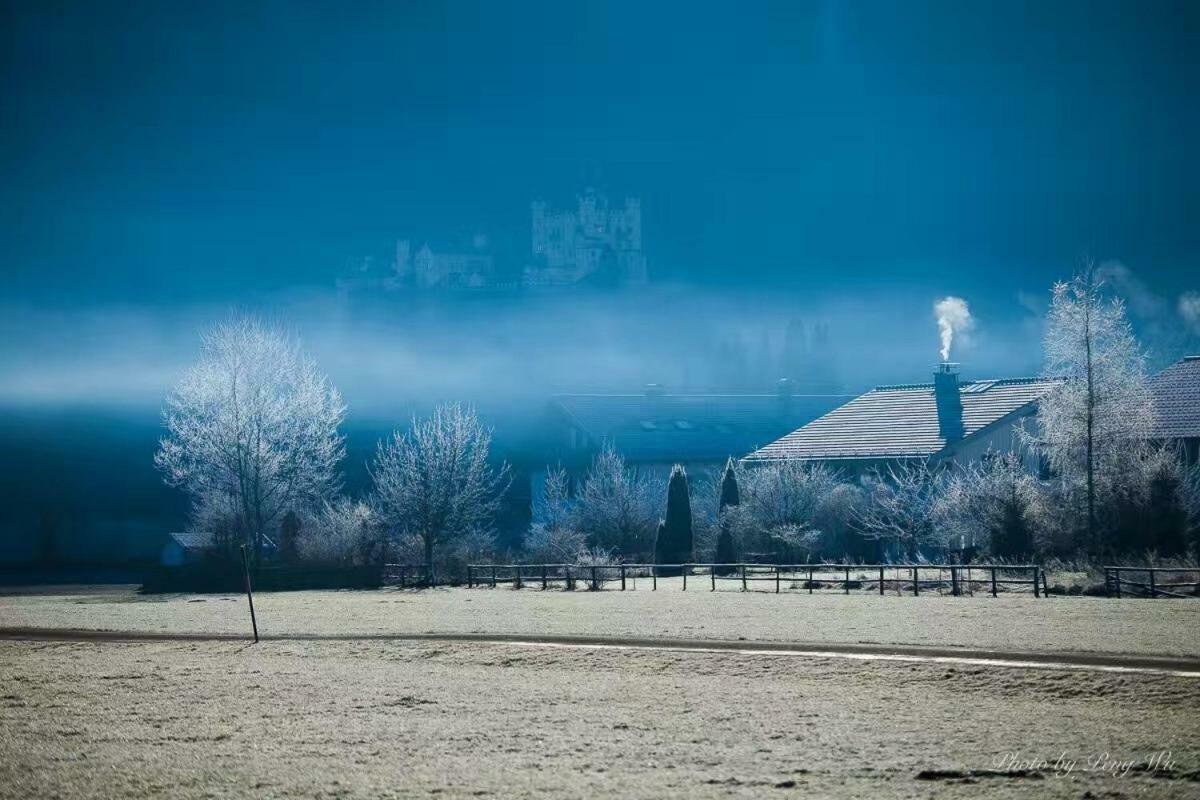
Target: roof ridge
{"x":994,"y":381}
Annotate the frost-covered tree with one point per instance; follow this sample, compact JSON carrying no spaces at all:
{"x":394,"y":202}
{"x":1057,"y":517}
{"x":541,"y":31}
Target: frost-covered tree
{"x":993,"y":504}
{"x":553,"y":507}
{"x":1093,"y":427}
{"x":616,"y":508}
{"x":435,"y":481}
{"x":252,"y":430}
{"x":900,"y":507}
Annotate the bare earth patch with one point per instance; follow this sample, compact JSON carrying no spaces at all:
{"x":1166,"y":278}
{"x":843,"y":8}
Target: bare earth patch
{"x":392,"y":719}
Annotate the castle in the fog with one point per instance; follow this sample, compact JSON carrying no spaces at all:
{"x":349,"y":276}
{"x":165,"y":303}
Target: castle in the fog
{"x":593,"y":244}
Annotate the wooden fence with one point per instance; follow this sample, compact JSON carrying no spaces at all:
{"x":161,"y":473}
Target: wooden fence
{"x":958,"y":578}
{"x":1151,"y":582}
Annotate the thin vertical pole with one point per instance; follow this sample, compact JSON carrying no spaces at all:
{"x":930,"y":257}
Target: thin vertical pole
{"x":712,"y":572}
{"x":654,"y":577}
{"x":954,"y":589}
{"x":567,"y":577}
{"x":916,"y":583}
{"x":543,"y":577}
{"x":810,"y":579}
{"x":249,"y":593}
{"x":685,"y":572}
{"x":776,"y":579}
{"x":1153,"y":591}
{"x":493,"y":576}
{"x":595,"y":583}
{"x":622,"y":577}
{"x":994,"y":582}
{"x":1037,"y":592}
{"x":847,"y":584}
{"x":470,"y":577}
{"x":881,"y":581}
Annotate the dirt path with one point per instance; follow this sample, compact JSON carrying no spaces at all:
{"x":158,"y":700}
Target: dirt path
{"x":1015,"y":659}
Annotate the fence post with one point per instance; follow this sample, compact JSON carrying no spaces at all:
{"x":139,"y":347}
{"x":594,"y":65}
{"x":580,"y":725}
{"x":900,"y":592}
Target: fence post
{"x":743,"y":577}
{"x":954,"y":590}
{"x":622,"y":577}
{"x":595,"y":584}
{"x":916,"y":583}
{"x":881,"y":581}
{"x":493,"y":576}
{"x":654,"y":577}
{"x":847,"y":583}
{"x":543,"y":577}
{"x":810,"y":579}
{"x":685,"y":572}
{"x":567,"y":577}
{"x":403,"y":575}
{"x":994,"y":582}
{"x":470,"y":577}
{"x":1037,"y":592}
{"x":1153,"y":590}
{"x":776,"y":579}
{"x":712,"y":572}
{"x":517,"y":578}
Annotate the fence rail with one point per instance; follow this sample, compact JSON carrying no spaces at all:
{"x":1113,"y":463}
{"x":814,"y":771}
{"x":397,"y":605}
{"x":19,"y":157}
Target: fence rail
{"x":1151,"y":583}
{"x":960,"y":578}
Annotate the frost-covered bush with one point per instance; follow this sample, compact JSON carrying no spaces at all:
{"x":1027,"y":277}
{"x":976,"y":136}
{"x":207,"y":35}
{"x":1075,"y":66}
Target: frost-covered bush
{"x":346,"y":533}
{"x":553,"y":545}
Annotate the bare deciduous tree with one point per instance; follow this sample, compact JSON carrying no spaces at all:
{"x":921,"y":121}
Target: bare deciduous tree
{"x":435,"y":481}
{"x":1095,"y":425}
{"x":900,"y":506}
{"x":617,"y":508}
{"x":252,"y":430}
{"x":993,"y":504}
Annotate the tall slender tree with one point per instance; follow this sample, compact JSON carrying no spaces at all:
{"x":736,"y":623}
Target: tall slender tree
{"x":730,"y":497}
{"x":674,"y":544}
{"x":1097,"y":423}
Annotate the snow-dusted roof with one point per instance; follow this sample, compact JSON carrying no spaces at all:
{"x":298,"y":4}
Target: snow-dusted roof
{"x":689,"y":427}
{"x":902,"y":422}
{"x":193,"y":540}
{"x":1176,"y":392}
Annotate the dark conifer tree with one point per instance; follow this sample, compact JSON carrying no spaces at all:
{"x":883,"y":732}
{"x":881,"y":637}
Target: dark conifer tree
{"x":730,"y":496}
{"x":674,"y":542}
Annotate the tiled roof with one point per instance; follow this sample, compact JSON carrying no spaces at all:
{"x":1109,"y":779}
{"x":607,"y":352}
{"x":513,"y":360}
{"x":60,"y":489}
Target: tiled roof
{"x":193,"y":540}
{"x":1176,"y":392}
{"x":901,"y":421}
{"x":689,"y":427}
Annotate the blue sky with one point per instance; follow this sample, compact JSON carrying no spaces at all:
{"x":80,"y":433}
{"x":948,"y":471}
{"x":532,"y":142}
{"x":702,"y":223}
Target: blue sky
{"x":171,"y":152}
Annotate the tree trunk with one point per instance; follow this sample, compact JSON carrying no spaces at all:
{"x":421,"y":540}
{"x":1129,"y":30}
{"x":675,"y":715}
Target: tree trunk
{"x":1091,"y":469}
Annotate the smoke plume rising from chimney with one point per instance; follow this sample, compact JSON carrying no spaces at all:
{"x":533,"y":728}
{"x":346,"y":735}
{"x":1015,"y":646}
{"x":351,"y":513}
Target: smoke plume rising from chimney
{"x":953,"y":316}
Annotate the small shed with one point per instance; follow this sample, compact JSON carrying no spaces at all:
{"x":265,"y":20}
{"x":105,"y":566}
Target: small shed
{"x":185,"y":547}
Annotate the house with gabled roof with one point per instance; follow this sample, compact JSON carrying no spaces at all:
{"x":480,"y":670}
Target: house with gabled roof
{"x":654,"y":429}
{"x":943,"y":420}
{"x":1176,"y":395}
